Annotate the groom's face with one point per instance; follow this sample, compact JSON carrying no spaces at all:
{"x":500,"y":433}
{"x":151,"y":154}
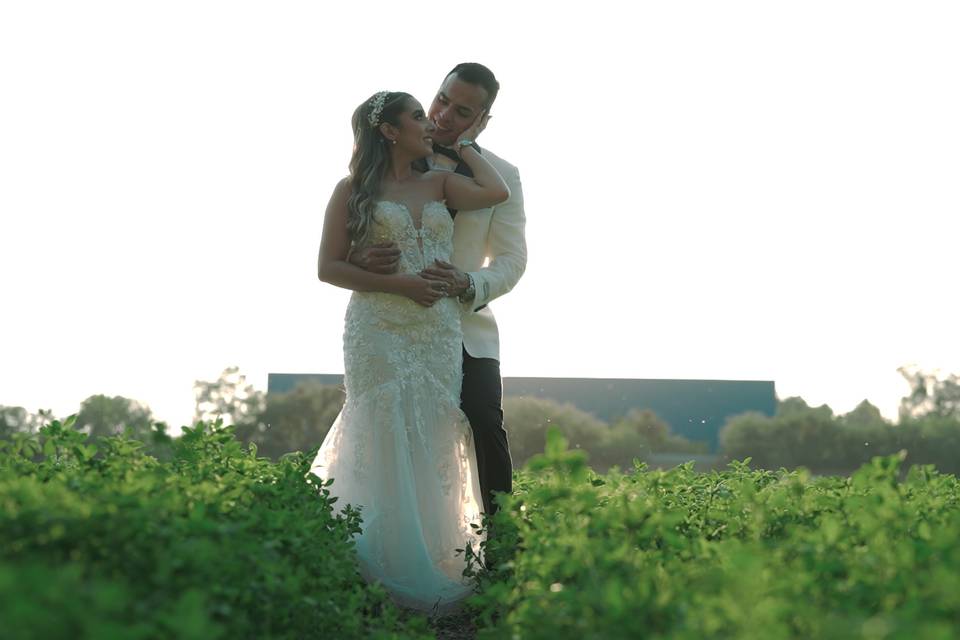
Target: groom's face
{"x":455,"y":107}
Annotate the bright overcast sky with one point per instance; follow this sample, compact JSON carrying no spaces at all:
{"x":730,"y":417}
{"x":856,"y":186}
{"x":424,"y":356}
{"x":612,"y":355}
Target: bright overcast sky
{"x":733,"y":190}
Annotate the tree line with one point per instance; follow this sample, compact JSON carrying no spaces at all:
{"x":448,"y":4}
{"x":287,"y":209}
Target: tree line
{"x":927,"y":429}
{"x":797,"y":435}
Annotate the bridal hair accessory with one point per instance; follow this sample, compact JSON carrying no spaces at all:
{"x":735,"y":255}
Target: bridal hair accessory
{"x":376,"y":106}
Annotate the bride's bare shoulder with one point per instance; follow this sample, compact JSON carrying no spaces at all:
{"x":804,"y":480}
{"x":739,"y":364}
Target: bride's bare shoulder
{"x":341,"y":194}
{"x":342,"y":190}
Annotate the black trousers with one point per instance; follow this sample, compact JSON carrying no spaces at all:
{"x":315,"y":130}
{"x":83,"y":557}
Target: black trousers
{"x":481,"y":399}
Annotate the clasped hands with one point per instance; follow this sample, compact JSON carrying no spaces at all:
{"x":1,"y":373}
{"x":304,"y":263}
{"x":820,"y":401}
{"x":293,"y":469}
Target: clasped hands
{"x":439,"y":280}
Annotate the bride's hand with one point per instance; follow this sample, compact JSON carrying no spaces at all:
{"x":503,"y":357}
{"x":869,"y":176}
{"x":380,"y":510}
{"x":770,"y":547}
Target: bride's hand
{"x":476,"y":128}
{"x":420,"y":290}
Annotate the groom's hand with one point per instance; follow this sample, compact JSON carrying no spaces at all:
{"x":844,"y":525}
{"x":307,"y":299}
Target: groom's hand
{"x":441,"y":271}
{"x":377,"y":258}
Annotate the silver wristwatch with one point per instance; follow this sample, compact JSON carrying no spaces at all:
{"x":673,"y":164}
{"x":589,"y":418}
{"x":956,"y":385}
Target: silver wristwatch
{"x":460,"y":144}
{"x":470,"y":292}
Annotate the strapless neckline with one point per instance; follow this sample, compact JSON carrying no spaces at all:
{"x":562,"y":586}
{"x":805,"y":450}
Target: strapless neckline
{"x":413,"y":222}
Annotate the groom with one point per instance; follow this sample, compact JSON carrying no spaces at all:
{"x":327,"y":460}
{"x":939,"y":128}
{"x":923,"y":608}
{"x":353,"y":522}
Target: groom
{"x":496,"y":233}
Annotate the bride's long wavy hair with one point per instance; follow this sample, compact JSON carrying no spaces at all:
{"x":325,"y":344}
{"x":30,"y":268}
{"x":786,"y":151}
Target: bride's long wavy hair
{"x":370,"y":161}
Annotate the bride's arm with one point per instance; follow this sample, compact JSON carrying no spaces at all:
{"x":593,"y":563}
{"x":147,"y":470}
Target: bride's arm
{"x":333,"y":267}
{"x":485,"y":189}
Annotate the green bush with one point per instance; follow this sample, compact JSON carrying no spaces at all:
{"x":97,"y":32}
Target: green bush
{"x":215,"y":543}
{"x":738,"y":553}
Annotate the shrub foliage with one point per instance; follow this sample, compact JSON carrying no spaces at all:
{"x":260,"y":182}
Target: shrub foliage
{"x":738,"y":553}
{"x":214,"y":543}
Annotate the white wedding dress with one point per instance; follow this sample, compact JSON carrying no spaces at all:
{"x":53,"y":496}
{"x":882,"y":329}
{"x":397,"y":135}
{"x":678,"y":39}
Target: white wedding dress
{"x":401,"y":448}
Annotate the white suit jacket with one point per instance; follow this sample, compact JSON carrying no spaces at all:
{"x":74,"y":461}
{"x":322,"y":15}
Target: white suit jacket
{"x":495,"y":233}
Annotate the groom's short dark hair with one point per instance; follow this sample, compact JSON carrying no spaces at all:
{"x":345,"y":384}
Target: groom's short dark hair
{"x":476,"y":73}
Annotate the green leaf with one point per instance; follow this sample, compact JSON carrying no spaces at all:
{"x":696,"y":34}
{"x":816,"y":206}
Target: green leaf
{"x":556,"y":444}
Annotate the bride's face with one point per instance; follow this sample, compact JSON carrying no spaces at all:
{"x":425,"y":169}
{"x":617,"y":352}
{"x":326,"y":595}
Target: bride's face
{"x":415,"y":131}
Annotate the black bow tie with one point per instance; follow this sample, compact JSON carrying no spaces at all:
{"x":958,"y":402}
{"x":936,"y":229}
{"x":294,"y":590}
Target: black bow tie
{"x":450,"y":153}
{"x":461,"y":167}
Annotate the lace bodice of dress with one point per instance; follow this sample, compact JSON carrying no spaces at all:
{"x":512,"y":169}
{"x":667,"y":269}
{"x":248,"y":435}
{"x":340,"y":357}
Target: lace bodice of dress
{"x":388,"y":333}
{"x":393,"y":222}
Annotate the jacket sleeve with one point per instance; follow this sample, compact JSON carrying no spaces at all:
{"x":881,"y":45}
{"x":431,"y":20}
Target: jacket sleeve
{"x":506,"y":248}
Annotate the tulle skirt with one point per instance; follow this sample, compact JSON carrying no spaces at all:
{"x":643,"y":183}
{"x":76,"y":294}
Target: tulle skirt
{"x":402,"y":451}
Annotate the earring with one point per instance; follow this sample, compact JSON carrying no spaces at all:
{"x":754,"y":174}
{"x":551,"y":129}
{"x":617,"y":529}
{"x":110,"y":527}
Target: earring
{"x":394,"y":142}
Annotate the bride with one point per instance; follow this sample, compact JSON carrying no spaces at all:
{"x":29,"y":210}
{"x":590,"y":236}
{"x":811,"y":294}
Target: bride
{"x":401,"y":448}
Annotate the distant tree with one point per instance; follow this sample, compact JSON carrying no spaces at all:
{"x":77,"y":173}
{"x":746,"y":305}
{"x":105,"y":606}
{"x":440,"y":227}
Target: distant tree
{"x":100,"y":416}
{"x":797,"y":435}
{"x":229,"y":398}
{"x":931,"y":440}
{"x":12,"y":420}
{"x":864,"y":415}
{"x":634,"y":436}
{"x":652,"y":433}
{"x":527,"y":419}
{"x":930,"y":396}
{"x":810,"y":439}
{"x":797,"y":405}
{"x":840,"y":444}
{"x":19,"y":420}
{"x":297,"y":420}
{"x":752,"y":434}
